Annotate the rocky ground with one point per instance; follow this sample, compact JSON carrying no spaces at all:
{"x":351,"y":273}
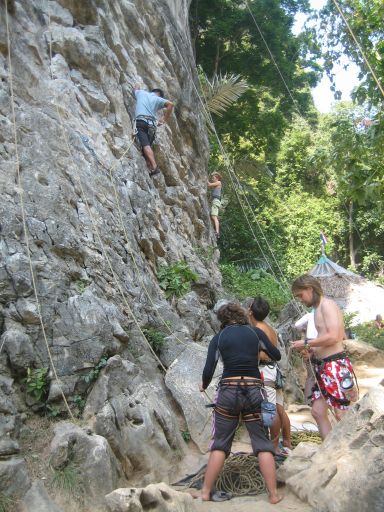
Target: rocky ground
{"x":369,"y":368}
{"x":45,"y":441}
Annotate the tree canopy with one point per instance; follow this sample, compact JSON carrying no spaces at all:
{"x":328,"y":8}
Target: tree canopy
{"x":300,"y":171}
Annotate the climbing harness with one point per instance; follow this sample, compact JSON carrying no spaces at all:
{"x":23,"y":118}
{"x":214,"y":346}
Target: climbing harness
{"x":242,"y":386}
{"x":149,"y":126}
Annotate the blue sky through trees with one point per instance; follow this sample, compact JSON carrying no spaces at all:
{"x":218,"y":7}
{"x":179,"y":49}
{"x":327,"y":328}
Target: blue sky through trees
{"x":345,"y":79}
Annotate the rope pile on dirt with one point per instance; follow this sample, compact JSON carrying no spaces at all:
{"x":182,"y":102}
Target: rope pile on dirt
{"x":305,"y":436}
{"x":241,"y":476}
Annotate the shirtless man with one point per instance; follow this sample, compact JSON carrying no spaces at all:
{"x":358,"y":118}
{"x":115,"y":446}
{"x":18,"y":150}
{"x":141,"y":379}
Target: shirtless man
{"x":328,"y":358}
{"x":258,"y":312}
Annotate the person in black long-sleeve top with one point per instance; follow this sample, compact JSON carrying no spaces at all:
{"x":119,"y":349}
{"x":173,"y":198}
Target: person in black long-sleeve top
{"x":238,"y":344}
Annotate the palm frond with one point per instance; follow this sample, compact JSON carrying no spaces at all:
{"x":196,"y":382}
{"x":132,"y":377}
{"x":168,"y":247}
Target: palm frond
{"x":222,"y":91}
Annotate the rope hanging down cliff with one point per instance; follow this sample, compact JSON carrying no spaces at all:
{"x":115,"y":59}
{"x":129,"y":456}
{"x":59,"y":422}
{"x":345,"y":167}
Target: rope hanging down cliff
{"x":23,"y":216}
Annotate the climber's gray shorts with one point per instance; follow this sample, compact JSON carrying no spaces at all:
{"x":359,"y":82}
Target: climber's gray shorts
{"x":145,"y":133}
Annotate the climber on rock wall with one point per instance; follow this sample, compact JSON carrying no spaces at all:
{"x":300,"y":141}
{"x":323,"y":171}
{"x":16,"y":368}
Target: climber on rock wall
{"x":215,"y":184}
{"x":147,"y":106}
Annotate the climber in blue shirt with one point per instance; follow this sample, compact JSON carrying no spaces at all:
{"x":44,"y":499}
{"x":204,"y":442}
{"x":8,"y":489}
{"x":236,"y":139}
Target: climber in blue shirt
{"x":147,"y":106}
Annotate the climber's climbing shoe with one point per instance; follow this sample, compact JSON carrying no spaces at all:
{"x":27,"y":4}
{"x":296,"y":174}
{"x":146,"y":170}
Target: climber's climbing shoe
{"x":154,"y":172}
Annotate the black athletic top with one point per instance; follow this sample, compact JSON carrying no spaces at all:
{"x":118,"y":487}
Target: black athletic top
{"x":238,"y":346}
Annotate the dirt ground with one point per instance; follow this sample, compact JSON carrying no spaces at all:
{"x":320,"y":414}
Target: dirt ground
{"x":254,"y":503}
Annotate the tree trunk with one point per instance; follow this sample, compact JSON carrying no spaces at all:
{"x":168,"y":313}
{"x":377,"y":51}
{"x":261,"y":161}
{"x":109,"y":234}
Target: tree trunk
{"x":195,"y":27}
{"x":352,"y":250}
{"x":217,"y":58}
{"x":218,"y":44}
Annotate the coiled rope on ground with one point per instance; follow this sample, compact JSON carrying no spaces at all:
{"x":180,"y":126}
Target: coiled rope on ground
{"x":241,"y":474}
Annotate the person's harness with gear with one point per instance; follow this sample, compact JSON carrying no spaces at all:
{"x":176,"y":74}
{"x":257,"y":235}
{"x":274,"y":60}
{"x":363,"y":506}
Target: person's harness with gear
{"x":145,"y":130}
{"x":319,"y":366}
{"x":242,"y":386}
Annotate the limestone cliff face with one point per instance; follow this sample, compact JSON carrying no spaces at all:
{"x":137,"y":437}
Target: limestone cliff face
{"x":98,"y":226}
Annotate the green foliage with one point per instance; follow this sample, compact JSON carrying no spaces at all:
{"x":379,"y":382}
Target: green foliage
{"x":354,"y":157}
{"x":227,"y":41}
{"x":370,"y":334}
{"x":155,"y":338}
{"x":366,"y":21}
{"x":6,"y":503}
{"x":37,"y":383}
{"x":79,"y":401}
{"x":81,"y":285}
{"x":176,"y":279}
{"x":372,"y":264}
{"x":68,"y":479}
{"x":252,"y":283}
{"x":286,"y":229}
{"x":349,"y":319}
{"x":94,"y":373}
{"x":206,"y":255}
{"x":298,"y":160}
{"x":53,"y":411}
{"x":221,"y":92}
{"x":325,"y":172}
{"x":186,"y":435}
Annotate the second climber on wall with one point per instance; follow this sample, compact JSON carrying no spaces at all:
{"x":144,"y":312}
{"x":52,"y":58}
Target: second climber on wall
{"x":147,"y":106}
{"x":215,"y":185}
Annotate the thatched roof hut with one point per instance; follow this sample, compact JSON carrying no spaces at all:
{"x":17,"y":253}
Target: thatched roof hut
{"x":353,"y":293}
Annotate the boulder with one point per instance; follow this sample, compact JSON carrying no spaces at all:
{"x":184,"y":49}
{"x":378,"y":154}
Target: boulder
{"x":346,"y":472}
{"x":14,"y":479}
{"x":99,"y":471}
{"x":138,"y":420}
{"x":18,"y":346}
{"x":37,"y":500}
{"x":182,"y":379}
{"x":362,"y":352}
{"x":194,"y":315}
{"x":9,"y":416}
{"x":299,"y":459}
{"x":8,"y":447}
{"x":154,"y":497}
{"x":174,"y":345}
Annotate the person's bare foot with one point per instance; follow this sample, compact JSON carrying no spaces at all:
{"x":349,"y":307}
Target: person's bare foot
{"x":284,"y":452}
{"x":275,"y":499}
{"x":199,"y":494}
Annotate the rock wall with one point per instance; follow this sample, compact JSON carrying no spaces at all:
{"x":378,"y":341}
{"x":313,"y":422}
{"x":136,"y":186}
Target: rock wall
{"x":97,"y":226}
{"x":345,"y":473}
